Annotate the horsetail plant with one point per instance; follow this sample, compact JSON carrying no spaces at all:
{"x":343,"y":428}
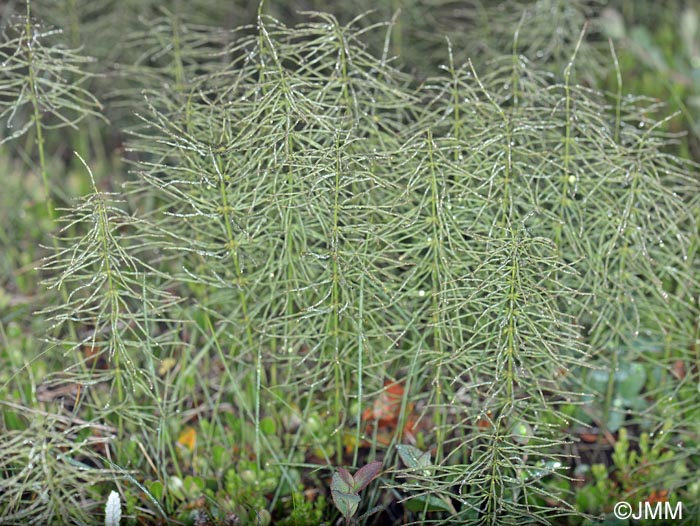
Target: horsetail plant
{"x":111,"y":295}
{"x":42,"y":86}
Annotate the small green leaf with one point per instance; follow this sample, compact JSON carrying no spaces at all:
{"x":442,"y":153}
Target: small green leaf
{"x":342,"y":481}
{"x":598,"y":381}
{"x":176,"y":488}
{"x":193,"y":486}
{"x":522,"y":432}
{"x":616,"y":416}
{"x":414,"y":457}
{"x":347,"y":503}
{"x":267,"y":426}
{"x":630,"y":380}
{"x":219,"y":456}
{"x":156,"y":489}
{"x":429,"y":503}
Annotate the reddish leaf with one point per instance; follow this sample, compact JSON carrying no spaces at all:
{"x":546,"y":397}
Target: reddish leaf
{"x":485,"y":421}
{"x":679,"y":369}
{"x":367,"y":474}
{"x":346,"y":476}
{"x":384,"y":438}
{"x":656,"y":497}
{"x":592,"y":435}
{"x":387,"y":406}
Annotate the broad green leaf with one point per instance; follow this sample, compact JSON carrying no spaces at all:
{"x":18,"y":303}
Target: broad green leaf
{"x":630,"y":380}
{"x":616,"y":416}
{"x":347,"y":503}
{"x":193,"y":486}
{"x":156,"y":489}
{"x":429,"y":503}
{"x":598,"y":381}
{"x":413,"y":457}
{"x":267,"y":426}
{"x":219,"y":455}
{"x":340,"y":481}
{"x":176,"y":488}
{"x":522,"y":432}
{"x":646,"y":49}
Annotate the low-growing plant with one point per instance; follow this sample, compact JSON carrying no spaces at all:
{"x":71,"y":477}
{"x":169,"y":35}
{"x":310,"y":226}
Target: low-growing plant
{"x":345,"y":488}
{"x":304,"y":512}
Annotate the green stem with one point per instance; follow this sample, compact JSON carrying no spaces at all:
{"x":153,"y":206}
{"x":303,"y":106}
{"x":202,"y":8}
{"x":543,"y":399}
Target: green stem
{"x":335,"y":300}
{"x":233,"y":247}
{"x":289,"y":239}
{"x":360,"y":352}
{"x":435,"y":249}
{"x":624,"y":251}
{"x":567,"y":179}
{"x":36,"y":109}
{"x":34,"y":95}
{"x":177,"y":55}
{"x":618,"y":95}
{"x":512,"y":308}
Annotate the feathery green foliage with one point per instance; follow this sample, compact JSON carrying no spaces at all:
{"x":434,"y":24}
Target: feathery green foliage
{"x":111,"y":292}
{"x":42,"y":87}
{"x":44,"y":467}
